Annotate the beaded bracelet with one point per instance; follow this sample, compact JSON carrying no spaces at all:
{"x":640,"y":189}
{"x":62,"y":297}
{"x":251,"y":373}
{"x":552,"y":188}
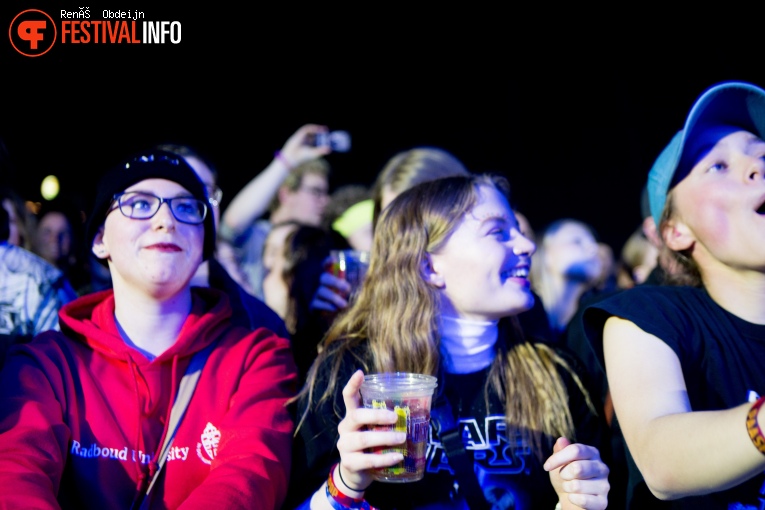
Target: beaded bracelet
{"x":753,"y":427}
{"x":340,"y":501}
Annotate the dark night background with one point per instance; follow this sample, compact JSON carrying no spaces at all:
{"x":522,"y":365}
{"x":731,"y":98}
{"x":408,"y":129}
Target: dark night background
{"x":572,"y":113}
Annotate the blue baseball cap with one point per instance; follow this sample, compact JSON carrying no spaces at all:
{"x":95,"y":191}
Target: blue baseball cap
{"x":722,"y":109}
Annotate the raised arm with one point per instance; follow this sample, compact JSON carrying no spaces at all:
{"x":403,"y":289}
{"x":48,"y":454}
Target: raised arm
{"x":680,"y":452}
{"x":253,"y":199}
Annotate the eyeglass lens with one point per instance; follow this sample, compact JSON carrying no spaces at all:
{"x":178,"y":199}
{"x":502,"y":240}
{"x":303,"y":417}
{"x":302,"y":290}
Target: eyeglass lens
{"x":142,"y":206}
{"x":317,"y":192}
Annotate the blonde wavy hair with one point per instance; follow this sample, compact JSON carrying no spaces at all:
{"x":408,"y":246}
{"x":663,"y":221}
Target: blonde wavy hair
{"x":396,"y":316}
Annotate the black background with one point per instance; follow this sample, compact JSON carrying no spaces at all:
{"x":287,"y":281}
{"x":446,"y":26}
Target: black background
{"x":573,"y":107}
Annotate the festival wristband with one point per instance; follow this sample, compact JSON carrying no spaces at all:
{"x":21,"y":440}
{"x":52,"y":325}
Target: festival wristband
{"x":340,"y":501}
{"x":278,"y":155}
{"x":753,"y":427}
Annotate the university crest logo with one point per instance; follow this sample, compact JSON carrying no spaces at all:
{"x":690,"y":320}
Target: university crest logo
{"x":207,"y":449}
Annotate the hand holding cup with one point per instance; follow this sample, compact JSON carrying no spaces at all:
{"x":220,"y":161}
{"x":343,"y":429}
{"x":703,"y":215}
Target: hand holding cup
{"x":356,"y":463}
{"x":349,"y":265}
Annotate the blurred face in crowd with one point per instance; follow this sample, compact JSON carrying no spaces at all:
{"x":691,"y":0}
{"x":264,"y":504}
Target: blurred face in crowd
{"x":53,"y":237}
{"x":573,"y":252}
{"x":306,"y":204}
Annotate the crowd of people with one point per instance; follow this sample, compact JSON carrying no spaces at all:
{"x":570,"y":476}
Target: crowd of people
{"x":160,"y":351}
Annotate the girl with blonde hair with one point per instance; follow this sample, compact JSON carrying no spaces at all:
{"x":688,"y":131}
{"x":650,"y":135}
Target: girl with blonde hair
{"x":448,"y":273}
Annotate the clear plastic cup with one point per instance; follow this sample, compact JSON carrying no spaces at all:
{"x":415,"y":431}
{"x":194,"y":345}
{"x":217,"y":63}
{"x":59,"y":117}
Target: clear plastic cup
{"x":350,"y":265}
{"x":410,"y":396}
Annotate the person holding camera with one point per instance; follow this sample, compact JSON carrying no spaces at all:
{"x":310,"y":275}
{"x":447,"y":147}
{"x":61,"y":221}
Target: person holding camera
{"x":293,"y":187}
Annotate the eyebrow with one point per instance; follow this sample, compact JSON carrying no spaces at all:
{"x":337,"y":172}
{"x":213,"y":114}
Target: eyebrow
{"x":492,"y":216}
{"x":712,"y":150}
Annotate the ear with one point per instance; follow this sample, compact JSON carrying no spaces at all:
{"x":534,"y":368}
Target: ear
{"x":677,"y":235}
{"x":429,"y":273}
{"x":99,"y":248}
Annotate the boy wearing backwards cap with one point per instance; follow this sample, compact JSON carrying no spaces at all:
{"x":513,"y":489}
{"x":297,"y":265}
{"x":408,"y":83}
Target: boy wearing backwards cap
{"x":84,"y":412}
{"x":685,"y":362}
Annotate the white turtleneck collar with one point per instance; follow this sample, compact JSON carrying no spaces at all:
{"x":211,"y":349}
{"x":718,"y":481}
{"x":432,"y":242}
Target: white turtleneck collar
{"x":467,"y":346}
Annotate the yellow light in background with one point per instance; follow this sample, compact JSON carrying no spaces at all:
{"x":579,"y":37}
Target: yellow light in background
{"x":49,"y":187}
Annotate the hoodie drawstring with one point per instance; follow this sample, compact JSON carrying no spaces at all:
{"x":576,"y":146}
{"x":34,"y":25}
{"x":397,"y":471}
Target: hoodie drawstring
{"x":141,"y":475}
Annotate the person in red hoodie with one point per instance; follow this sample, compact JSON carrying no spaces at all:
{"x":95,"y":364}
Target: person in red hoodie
{"x":84,"y":411}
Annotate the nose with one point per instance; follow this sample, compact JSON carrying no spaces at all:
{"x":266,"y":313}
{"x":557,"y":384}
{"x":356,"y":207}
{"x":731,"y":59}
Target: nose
{"x":756,"y":169}
{"x":322,"y":203}
{"x":164,"y":217}
{"x":522,"y":245}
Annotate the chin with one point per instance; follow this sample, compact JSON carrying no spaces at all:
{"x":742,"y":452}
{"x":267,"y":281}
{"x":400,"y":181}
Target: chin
{"x":163,"y":291}
{"x":518,"y":308}
{"x":170,"y":285}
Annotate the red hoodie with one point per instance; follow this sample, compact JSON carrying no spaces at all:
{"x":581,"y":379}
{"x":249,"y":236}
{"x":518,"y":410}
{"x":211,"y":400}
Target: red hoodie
{"x":82,"y":414}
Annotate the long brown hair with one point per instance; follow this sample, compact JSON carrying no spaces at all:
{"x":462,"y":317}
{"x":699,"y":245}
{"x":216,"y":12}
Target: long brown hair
{"x":395,"y":316}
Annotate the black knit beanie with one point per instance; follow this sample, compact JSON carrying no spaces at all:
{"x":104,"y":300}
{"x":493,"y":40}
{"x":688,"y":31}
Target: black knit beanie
{"x":154,"y":164}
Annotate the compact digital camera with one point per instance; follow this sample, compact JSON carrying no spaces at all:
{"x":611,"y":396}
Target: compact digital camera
{"x":338,"y":141}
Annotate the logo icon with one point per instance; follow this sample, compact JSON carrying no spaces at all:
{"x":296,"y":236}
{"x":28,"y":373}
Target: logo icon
{"x":32,"y":33}
{"x":210,"y":439}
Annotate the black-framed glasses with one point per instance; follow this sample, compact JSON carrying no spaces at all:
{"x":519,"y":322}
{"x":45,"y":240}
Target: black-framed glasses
{"x":142,"y":206}
{"x":316,"y":192}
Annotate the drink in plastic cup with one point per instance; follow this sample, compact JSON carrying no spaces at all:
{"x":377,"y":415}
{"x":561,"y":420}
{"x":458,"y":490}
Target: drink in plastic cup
{"x":410,"y":396}
{"x":350,"y":265}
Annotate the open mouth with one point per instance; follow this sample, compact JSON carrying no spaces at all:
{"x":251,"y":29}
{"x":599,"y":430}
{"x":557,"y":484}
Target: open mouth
{"x":761,"y":209}
{"x":516,"y":272}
